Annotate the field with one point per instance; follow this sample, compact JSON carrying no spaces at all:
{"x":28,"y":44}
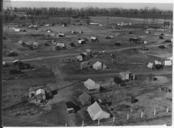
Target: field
{"x":60,"y":70}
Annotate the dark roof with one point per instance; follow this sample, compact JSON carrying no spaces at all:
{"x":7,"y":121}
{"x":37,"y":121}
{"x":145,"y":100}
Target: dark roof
{"x":85,"y":98}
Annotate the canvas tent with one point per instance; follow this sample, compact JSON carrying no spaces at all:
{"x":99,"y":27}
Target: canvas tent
{"x":81,"y":41}
{"x":96,"y":112}
{"x":79,"y":58}
{"x":85,"y":99}
{"x":84,"y":65}
{"x":99,"y":66}
{"x":150,"y":65}
{"x":91,"y":85}
{"x":167,"y":63}
{"x":127,"y":75}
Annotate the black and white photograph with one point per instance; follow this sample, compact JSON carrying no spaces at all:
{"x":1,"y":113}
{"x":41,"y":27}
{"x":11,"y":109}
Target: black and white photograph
{"x":86,"y":63}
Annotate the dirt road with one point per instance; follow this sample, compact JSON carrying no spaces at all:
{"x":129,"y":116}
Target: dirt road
{"x":74,"y":54}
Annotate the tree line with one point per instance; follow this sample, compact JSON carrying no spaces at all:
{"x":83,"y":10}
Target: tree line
{"x":85,"y":12}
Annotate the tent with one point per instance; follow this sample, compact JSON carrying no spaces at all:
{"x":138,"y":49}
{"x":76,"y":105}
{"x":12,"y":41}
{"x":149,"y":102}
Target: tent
{"x":91,"y":85}
{"x":81,"y":41}
{"x":167,"y":63}
{"x":98,"y":66}
{"x":96,"y":112}
{"x":79,"y":58}
{"x":84,"y":65}
{"x":150,"y":65}
{"x":124,"y":75}
{"x":85,"y":99}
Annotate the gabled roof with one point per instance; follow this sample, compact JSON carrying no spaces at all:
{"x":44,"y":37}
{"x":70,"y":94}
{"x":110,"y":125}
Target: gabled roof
{"x":90,"y":84}
{"x":84,"y":98}
{"x":96,"y":112}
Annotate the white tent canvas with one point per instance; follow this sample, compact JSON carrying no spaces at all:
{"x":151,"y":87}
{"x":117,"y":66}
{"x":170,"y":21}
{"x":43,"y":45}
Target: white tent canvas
{"x":91,"y":85}
{"x":98,"y":66}
{"x":150,"y":65}
{"x":167,"y":63}
{"x":96,"y":112}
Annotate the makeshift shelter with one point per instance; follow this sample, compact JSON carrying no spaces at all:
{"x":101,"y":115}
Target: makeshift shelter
{"x":84,"y":65}
{"x":145,"y":42}
{"x":71,"y":107}
{"x":156,"y":62}
{"x":17,"y":29}
{"x":61,"y":34}
{"x":85,"y":99}
{"x":91,"y":85}
{"x":109,"y":37}
{"x":99,"y":66}
{"x":21,"y":42}
{"x":150,"y":65}
{"x":96,"y":112}
{"x":79,"y":58}
{"x":37,"y":96}
{"x":93,"y":38}
{"x":35,"y":45}
{"x":127,"y":76}
{"x":81,"y":41}
{"x":167,"y":63}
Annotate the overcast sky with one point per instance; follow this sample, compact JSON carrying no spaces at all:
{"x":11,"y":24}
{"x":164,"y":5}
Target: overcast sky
{"x":92,"y":3}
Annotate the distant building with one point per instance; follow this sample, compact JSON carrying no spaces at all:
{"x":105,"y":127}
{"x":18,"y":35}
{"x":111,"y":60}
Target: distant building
{"x":96,"y":112}
{"x":167,"y":63}
{"x":150,"y":65}
{"x":125,"y":76}
{"x":91,"y":85}
{"x":85,"y":99}
{"x":99,"y":66}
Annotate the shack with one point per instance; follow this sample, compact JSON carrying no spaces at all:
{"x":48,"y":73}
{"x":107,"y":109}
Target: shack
{"x":96,"y":112}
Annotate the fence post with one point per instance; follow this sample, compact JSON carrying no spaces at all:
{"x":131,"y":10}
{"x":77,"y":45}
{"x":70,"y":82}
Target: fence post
{"x":66,"y":125}
{"x":127,"y":117}
{"x":131,"y":110}
{"x":167,"y":109}
{"x":154,"y":112}
{"x":98,"y":122}
{"x":113,"y":120}
{"x":83,"y":123}
{"x":142,"y":114}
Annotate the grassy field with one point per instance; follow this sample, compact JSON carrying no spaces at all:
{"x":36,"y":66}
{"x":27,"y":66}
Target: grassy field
{"x":56,"y":68}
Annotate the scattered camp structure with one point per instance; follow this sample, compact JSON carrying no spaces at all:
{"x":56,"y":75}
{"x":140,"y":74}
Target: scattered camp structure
{"x":85,"y":65}
{"x":59,"y":46}
{"x":158,"y":64}
{"x":81,"y":41}
{"x":96,"y":112}
{"x":60,"y":34}
{"x":39,"y":95}
{"x":47,"y":25}
{"x":126,"y":76}
{"x":167,"y":63}
{"x":135,"y":40}
{"x":71,"y":107}
{"x":93,"y":38}
{"x":85,"y":99}
{"x":49,"y":30}
{"x":109,"y":37}
{"x":21,"y":42}
{"x":91,"y":85}
{"x":79,"y":58}
{"x":17,"y":29}
{"x":12,"y":53}
{"x":99,"y":66}
{"x":150,"y":65}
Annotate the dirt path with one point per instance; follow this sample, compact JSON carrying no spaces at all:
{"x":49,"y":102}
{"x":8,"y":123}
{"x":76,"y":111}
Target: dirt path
{"x":74,"y":54}
{"x":111,"y":74}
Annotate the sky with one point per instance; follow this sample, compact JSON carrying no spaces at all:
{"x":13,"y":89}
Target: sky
{"x":137,"y":4}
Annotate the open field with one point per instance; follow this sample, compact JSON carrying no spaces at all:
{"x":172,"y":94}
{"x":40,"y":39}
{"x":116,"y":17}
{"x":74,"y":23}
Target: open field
{"x":60,"y":70}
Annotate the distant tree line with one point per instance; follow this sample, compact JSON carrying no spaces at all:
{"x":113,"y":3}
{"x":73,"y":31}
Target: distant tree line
{"x":86,"y":12}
